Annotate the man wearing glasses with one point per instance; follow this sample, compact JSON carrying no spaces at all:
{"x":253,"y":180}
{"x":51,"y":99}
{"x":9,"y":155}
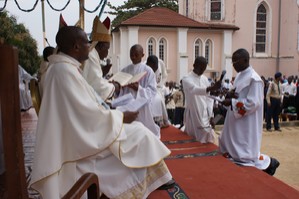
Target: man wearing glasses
{"x":241,"y":136}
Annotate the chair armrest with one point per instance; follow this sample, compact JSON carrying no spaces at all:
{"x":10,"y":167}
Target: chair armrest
{"x":88,"y":182}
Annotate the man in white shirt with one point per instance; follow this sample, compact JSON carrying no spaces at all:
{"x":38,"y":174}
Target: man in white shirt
{"x":77,"y":134}
{"x":289,"y":91}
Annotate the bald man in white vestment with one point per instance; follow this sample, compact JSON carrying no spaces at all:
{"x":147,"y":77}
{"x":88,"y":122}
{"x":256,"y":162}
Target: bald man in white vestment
{"x":77,"y":134}
{"x":146,"y":87}
{"x":241,"y":136}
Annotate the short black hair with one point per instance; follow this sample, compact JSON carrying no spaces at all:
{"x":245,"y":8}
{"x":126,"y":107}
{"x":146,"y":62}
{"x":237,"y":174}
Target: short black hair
{"x":277,"y":75}
{"x":241,"y":53}
{"x":49,"y":50}
{"x":200,"y":60}
{"x":66,"y":37}
{"x":152,"y":59}
{"x":153,"y":62}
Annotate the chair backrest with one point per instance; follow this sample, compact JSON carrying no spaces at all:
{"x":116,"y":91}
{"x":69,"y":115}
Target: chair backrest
{"x":12,"y":177}
{"x":35,"y":95}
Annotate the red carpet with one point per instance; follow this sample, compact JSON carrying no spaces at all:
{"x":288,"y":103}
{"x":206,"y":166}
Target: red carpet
{"x":203,"y":173}
{"x":198,"y":169}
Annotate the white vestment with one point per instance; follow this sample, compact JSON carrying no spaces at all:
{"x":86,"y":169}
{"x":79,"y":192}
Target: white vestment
{"x":41,"y":75}
{"x":198,"y":108}
{"x":76,"y":134}
{"x":163,"y":73}
{"x":158,"y":102}
{"x":242,"y":132}
{"x":93,"y":74}
{"x":147,"y":89}
{"x":25,"y":96}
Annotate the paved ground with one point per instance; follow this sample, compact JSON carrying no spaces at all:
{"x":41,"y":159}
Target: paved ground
{"x":284,"y":147}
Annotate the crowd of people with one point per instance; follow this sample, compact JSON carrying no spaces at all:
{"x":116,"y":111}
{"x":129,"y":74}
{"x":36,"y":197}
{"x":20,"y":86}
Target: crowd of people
{"x":281,"y":99}
{"x":78,"y":131}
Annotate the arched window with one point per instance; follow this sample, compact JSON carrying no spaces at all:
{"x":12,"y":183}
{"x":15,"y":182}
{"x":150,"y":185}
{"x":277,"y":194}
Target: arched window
{"x":197,"y":48}
{"x":151,"y":46}
{"x":162,"y":49}
{"x":261,"y":29}
{"x":209,"y":51}
{"x":216,"y":9}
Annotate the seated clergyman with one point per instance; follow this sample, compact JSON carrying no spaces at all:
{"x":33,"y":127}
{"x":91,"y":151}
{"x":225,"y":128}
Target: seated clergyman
{"x":76,"y":134}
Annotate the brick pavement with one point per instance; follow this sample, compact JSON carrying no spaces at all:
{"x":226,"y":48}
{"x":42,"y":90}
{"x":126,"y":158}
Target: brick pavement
{"x":29,"y":122}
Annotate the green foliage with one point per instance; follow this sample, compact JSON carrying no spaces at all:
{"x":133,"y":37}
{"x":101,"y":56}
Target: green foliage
{"x":134,"y":7}
{"x":17,"y":35}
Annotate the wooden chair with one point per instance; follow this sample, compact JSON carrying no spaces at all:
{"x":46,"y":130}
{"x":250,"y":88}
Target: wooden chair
{"x":12,"y":179}
{"x":35,"y":95}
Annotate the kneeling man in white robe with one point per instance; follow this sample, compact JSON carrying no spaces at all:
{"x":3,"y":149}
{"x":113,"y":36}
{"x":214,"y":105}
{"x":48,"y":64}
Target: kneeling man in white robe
{"x":199,"y":114}
{"x":241,"y":136}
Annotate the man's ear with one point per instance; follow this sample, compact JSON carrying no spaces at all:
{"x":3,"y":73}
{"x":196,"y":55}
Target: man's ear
{"x":76,"y":46}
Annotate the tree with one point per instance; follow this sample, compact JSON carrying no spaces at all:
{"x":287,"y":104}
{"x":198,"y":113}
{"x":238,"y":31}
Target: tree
{"x":134,"y":7}
{"x":17,"y":35}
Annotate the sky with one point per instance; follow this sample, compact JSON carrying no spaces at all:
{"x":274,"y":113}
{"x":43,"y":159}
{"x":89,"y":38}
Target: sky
{"x":33,"y":20}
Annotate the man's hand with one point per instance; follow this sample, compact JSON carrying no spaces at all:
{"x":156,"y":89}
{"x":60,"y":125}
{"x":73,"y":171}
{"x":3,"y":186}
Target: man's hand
{"x":212,"y":122}
{"x":129,"y":116}
{"x":269,"y":105}
{"x":106,"y":69}
{"x":214,"y":87}
{"x":227,"y":102}
{"x":232,"y":94}
{"x":134,"y":86}
{"x":117,"y":87}
{"x":286,"y":94}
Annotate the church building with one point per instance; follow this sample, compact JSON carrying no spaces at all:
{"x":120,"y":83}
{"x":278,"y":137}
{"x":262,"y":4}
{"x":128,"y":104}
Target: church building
{"x":268,"y":29}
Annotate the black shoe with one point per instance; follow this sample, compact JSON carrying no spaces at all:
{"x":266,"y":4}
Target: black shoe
{"x":168,"y":185}
{"x":269,"y":130}
{"x":278,"y":129}
{"x":274,"y":164}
